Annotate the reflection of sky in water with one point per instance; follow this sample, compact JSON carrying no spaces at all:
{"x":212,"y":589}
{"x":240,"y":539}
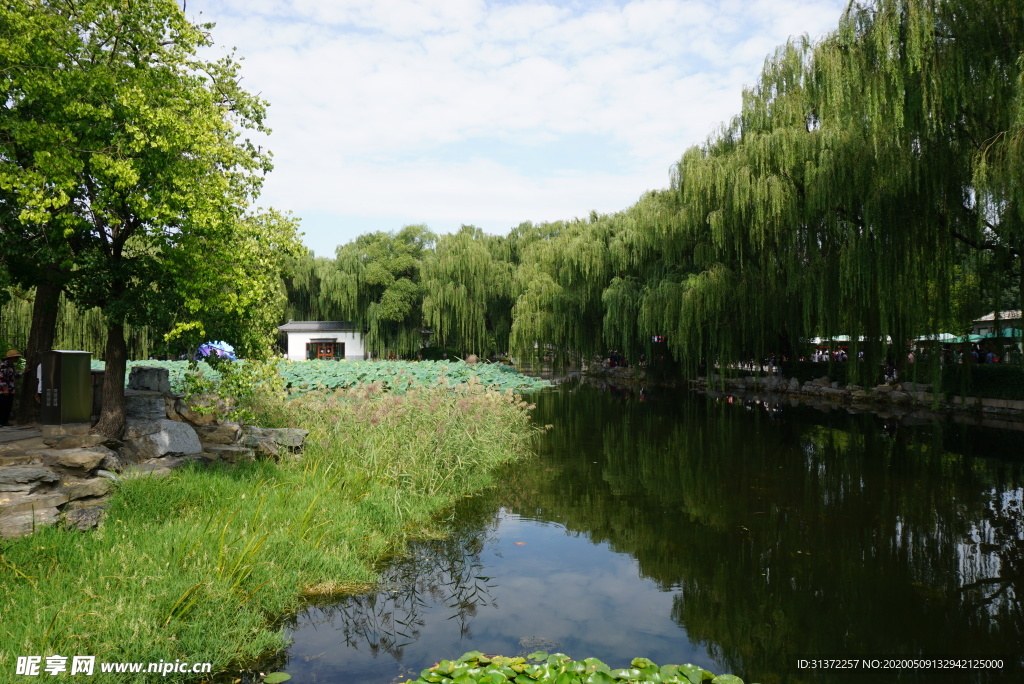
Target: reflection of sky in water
{"x":551,"y":591}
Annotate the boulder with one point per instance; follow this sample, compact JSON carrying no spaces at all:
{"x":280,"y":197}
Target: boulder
{"x":794,"y":385}
{"x":171,"y":406}
{"x":17,"y":504}
{"x":145,"y":439}
{"x":25,"y":478}
{"x":82,"y":459}
{"x":231,"y":454}
{"x":268,"y":448}
{"x":83,"y":518}
{"x":225,"y":433}
{"x":899,"y":397}
{"x":292,"y":438}
{"x":144,"y":405}
{"x":860,"y":395}
{"x":149,"y":378}
{"x":26,"y":523}
{"x":76,"y":441}
{"x":83,"y":489}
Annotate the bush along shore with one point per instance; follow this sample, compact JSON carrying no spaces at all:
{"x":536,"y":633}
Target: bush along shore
{"x":199,"y":566}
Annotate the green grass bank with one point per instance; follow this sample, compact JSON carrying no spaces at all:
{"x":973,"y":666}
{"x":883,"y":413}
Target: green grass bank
{"x":200,"y":565}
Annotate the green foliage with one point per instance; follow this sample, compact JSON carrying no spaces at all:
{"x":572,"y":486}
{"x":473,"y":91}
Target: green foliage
{"x":469,"y":291}
{"x":540,"y":668}
{"x":124,"y":179}
{"x":992,"y":381}
{"x":400,"y":376}
{"x":810,"y":370}
{"x":234,"y":548}
{"x":376,"y":284}
{"x":249,"y":379}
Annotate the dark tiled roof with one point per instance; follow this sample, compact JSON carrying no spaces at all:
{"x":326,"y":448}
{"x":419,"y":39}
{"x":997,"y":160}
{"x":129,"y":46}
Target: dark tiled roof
{"x":316,"y":326}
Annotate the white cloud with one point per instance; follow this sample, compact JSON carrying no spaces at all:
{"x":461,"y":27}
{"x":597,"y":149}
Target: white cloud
{"x":379,"y":96}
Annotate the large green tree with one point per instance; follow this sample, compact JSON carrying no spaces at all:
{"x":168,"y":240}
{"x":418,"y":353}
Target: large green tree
{"x":379,"y":288}
{"x":124,"y":168}
{"x":469,"y":289}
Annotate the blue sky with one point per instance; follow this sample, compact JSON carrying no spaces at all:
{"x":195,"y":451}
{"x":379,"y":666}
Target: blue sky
{"x":451,"y":112}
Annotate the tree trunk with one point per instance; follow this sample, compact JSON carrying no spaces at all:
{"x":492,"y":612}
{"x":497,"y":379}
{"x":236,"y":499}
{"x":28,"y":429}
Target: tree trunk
{"x":40,"y":339}
{"x":112,"y":416}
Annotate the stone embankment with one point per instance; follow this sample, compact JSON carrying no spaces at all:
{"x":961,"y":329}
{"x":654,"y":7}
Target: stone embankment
{"x":65,"y":476}
{"x":893,"y":397}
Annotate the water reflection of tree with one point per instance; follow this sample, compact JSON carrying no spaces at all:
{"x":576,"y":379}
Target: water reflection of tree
{"x":783,"y":537}
{"x":433,"y":572}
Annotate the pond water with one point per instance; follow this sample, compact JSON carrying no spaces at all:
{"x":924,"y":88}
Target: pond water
{"x":741,"y":538}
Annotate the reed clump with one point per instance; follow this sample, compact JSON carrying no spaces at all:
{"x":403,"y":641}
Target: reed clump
{"x":199,"y":566}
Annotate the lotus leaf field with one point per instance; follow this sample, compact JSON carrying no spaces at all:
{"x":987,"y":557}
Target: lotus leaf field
{"x":397,"y":376}
{"x":540,"y":668}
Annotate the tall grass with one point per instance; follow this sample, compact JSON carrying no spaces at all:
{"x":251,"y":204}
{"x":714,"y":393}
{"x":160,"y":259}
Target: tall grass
{"x":200,"y":565}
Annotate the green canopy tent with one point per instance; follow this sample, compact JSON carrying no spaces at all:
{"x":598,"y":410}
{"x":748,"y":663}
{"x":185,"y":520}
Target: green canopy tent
{"x":1008,"y":333}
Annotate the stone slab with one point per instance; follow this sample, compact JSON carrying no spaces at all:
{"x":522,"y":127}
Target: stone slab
{"x":23,"y":478}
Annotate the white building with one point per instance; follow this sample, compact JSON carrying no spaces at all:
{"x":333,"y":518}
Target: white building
{"x":332,"y":340}
{"x":990,"y":323}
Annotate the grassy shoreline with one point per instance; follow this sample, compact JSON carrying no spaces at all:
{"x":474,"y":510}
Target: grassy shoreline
{"x":199,"y":566}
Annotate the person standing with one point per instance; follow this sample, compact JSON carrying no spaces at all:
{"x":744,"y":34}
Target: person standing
{"x":8,"y":376}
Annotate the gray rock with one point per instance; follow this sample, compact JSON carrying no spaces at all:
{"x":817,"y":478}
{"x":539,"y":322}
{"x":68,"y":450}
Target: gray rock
{"x":83,"y":518}
{"x":25,"y":478}
{"x":268,"y":448}
{"x":225,"y":433}
{"x":156,"y":438}
{"x":292,"y":438}
{"x":83,"y":458}
{"x":76,"y":441}
{"x":794,"y":385}
{"x":170,"y":406}
{"x":231,"y":454}
{"x":83,"y":489}
{"x":899,"y":397}
{"x":26,"y":523}
{"x":144,"y":405}
{"x":17,"y":504}
{"x":149,"y":378}
{"x":113,"y":462}
{"x":108,"y":475}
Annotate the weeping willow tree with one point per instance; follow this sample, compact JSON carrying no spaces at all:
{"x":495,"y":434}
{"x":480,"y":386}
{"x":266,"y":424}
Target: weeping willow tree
{"x":866,"y":178}
{"x":314,"y":287}
{"x":469,"y":288}
{"x":81,"y":329}
{"x":377,"y":286}
{"x":563,"y":271}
